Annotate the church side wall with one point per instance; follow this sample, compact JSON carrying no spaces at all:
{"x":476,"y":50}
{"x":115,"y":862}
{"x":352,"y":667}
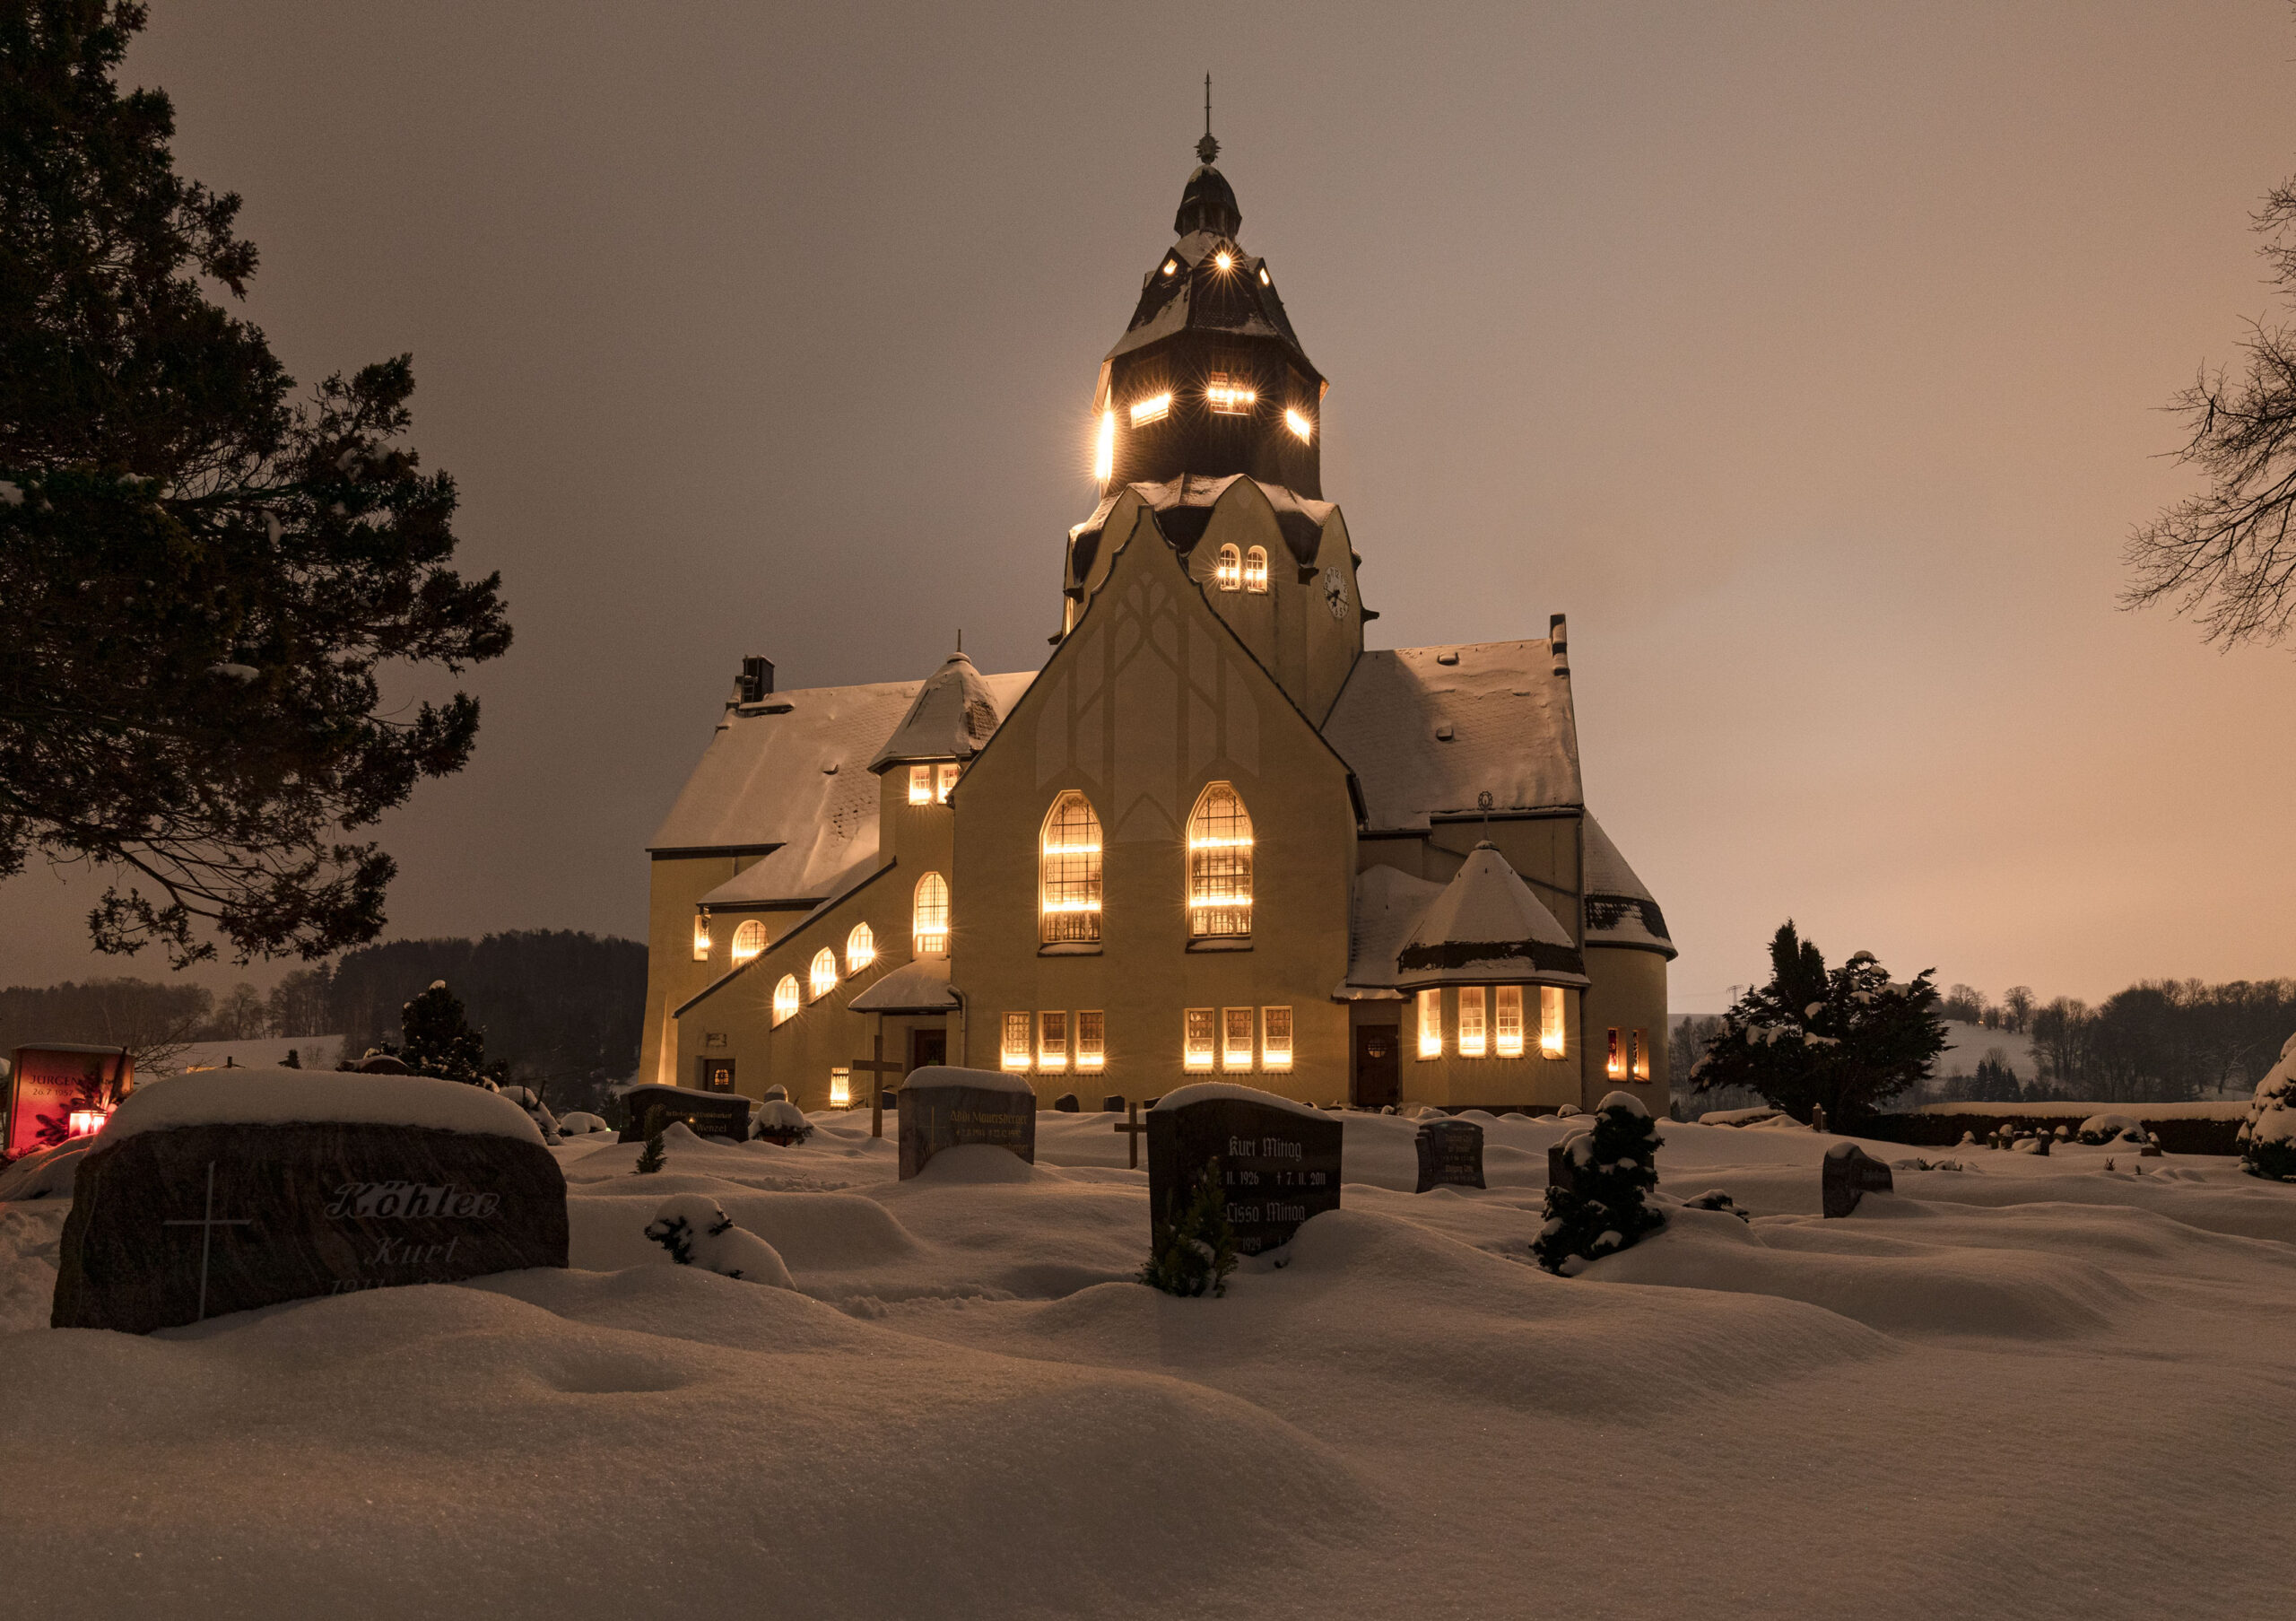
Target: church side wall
{"x":1629,"y":994}
{"x":678,"y":883}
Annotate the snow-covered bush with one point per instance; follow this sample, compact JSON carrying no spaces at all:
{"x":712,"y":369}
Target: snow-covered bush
{"x":1612,"y":1169}
{"x":2099,"y":1130}
{"x":581,"y":1122}
{"x":1714,"y":1198}
{"x":697,"y":1232}
{"x":779,"y":1120}
{"x":2268,"y":1136}
{"x":1194,"y":1255}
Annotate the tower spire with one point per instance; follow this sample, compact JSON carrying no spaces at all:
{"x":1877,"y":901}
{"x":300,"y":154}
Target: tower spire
{"x":1207,"y":148}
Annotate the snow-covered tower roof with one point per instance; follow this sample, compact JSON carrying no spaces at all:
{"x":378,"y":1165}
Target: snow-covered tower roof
{"x":953,"y":715}
{"x":1620,"y":908}
{"x":1486,"y":927}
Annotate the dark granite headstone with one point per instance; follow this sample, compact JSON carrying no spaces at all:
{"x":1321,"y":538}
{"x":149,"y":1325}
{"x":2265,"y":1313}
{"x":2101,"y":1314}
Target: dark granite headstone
{"x":171,"y":1226}
{"x":1849,"y":1176}
{"x":1450,"y":1154}
{"x":703,"y":1113}
{"x":940,"y":1108}
{"x":1113,"y":1103}
{"x":1065,"y":1104}
{"x":1279,"y":1162}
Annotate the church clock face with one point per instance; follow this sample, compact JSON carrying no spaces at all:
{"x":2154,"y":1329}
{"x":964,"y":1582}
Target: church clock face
{"x":1335,"y":593}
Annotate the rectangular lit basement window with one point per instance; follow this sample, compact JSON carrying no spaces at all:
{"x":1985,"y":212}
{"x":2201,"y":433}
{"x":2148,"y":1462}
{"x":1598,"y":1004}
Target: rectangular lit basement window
{"x":1471,"y":1035}
{"x":1228,"y":397}
{"x":1275,"y":1038}
{"x":920,"y":785}
{"x":1236,"y":1046}
{"x":840,"y":1088}
{"x":1092,"y":1040}
{"x":1430,"y":1023}
{"x":1155,"y":408}
{"x":1052,"y":1040}
{"x":1197,"y":1054}
{"x":1016,"y":1040}
{"x":1549,"y":1021}
{"x":1507,"y":1029}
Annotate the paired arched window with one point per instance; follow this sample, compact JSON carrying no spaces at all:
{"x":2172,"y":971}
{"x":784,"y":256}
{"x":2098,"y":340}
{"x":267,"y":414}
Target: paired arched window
{"x":1069,"y":868}
{"x":1256,"y":570}
{"x":785,"y":999}
{"x":860,"y":948}
{"x":1228,"y":573}
{"x":929,"y":916}
{"x":1219,"y":866}
{"x":749,"y":940}
{"x":824,"y":972}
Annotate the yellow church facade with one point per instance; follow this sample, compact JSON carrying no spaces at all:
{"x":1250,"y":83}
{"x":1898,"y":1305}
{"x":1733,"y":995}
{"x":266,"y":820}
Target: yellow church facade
{"x":1213,"y":837}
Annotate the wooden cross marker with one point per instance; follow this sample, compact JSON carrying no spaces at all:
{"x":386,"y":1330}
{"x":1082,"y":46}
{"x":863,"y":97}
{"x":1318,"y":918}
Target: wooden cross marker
{"x":1131,"y":1128}
{"x":207,"y":1224}
{"x":878,"y":1066}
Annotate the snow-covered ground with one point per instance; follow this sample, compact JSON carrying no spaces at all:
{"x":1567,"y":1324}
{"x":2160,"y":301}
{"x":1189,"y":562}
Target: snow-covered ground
{"x":2031,"y":1386}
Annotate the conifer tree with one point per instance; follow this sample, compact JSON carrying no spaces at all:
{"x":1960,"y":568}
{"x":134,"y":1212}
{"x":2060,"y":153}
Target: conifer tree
{"x":1194,"y":1255}
{"x":653,"y":1156}
{"x":2268,"y":1135}
{"x":439,"y":1038}
{"x":1603,"y":1211}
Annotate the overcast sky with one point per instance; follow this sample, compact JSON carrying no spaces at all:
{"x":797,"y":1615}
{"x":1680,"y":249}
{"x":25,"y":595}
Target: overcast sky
{"x":1809,"y":357}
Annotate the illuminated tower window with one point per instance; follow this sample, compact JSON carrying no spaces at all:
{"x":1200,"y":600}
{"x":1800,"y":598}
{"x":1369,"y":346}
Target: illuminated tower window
{"x":1229,"y":397}
{"x":929,"y":918}
{"x":1069,"y":868}
{"x":1549,"y":1021}
{"x":1275,"y":1038}
{"x":1092,"y":1040}
{"x":749,"y":940}
{"x":1201,"y":1029}
{"x":1472,"y":1039}
{"x":1430,"y":1023}
{"x":944,"y":778}
{"x":1219,"y":867}
{"x":785,"y":999}
{"x":1104,"y":448}
{"x":1014,"y":1054}
{"x":860,"y":948}
{"x":824,"y":972}
{"x":1228,"y":573}
{"x":1507,"y":1027}
{"x":1615,"y":1065}
{"x":920,"y":785}
{"x":702,"y":936}
{"x":1155,"y":408}
{"x":1300,"y":423}
{"x":1052,"y":1040}
{"x":1256,"y":570}
{"x":1639,"y":1057}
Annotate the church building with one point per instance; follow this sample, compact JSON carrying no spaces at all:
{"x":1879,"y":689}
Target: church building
{"x":1214,"y":836}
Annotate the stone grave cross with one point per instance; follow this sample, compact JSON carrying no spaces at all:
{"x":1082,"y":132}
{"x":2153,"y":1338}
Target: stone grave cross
{"x":1132,"y":1127}
{"x":877,"y":1067}
{"x":207,"y":1224}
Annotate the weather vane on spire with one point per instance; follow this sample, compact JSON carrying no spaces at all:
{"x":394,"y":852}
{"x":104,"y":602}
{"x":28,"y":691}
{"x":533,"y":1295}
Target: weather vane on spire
{"x":1207,"y":148}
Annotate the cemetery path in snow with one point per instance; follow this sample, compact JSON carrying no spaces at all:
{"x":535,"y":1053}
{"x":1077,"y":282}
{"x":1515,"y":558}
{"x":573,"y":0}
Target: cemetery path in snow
{"x":2028,"y":1388}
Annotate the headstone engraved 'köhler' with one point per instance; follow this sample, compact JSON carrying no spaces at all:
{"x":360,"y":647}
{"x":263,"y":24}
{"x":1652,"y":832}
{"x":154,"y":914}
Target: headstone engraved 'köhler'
{"x":1450,"y":1154}
{"x":942,"y":1106}
{"x":206,"y":1195}
{"x":1279,"y":1161}
{"x":703,"y":1113}
{"x":1849,"y":1176}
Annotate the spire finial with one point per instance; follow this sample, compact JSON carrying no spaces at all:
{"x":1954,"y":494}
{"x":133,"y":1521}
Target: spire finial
{"x":1207,"y":148}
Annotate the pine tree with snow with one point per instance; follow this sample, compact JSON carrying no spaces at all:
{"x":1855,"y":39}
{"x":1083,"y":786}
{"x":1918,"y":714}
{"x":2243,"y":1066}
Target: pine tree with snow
{"x":1194,"y":1255}
{"x":652,"y":1158}
{"x":439,"y":1038}
{"x":2268,"y":1136}
{"x":1613,"y":1170}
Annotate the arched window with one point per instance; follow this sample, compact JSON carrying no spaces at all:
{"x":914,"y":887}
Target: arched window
{"x":1228,"y":574}
{"x":929,"y":924}
{"x":749,"y":940}
{"x":785,"y":999}
{"x":824,"y":974}
{"x":1256,"y":570}
{"x":1070,"y":869}
{"x":860,"y":948}
{"x":1219,"y":866}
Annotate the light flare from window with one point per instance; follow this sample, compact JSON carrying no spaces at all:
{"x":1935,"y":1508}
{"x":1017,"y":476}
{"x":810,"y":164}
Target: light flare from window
{"x":1236,"y":1043}
{"x":1155,"y":408}
{"x":1256,"y":570}
{"x":860,"y":948}
{"x":1069,"y":873}
{"x":1550,"y":1021}
{"x":920,"y":785}
{"x":1104,"y":448}
{"x":1228,"y":398}
{"x":1052,"y":1040}
{"x":1228,"y":572}
{"x":1275,"y":1038}
{"x":1014,"y":1054}
{"x":785,"y":999}
{"x":749,"y":940}
{"x":840,"y":1088}
{"x":1472,"y":1039}
{"x":929,"y":916}
{"x":1220,"y":866}
{"x":824,"y":972}
{"x":1092,"y":1041}
{"x":1430,"y":1023}
{"x":1300,"y":424}
{"x":1201,"y":1029}
{"x":1507,"y":1027}
{"x":702,"y":936}
{"x":945,"y":779}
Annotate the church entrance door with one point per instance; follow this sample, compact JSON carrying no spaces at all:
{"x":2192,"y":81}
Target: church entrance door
{"x":1378,"y":1071}
{"x":928,"y":1047}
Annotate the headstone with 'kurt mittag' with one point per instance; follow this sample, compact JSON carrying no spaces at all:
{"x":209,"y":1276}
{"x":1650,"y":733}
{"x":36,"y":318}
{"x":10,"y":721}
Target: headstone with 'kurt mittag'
{"x":1450,"y":1154}
{"x":1279,"y":1161}
{"x":229,"y":1189}
{"x":944,"y":1107}
{"x":1849,"y":1173}
{"x":703,"y":1113}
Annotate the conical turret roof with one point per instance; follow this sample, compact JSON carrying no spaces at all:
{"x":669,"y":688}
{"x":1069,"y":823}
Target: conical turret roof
{"x":953,"y":715}
{"x":1487,"y":928}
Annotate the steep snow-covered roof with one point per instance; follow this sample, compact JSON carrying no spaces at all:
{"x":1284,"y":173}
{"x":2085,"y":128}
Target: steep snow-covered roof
{"x":952,"y":715}
{"x":1387,"y":902}
{"x":921,"y":986}
{"x":1487,"y":926}
{"x":1426,"y":738}
{"x":1199,"y":295}
{"x":1620,"y":908}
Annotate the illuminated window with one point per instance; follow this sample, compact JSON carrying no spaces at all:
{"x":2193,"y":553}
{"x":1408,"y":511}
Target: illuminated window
{"x":860,"y":948}
{"x":702,"y":936}
{"x":1016,"y":1040}
{"x":824,"y":974}
{"x":785,"y":999}
{"x":1507,"y":1027}
{"x":1219,"y":867}
{"x":840,"y":1088}
{"x":1472,"y":1039}
{"x":1256,"y":570}
{"x":1299,"y":422}
{"x":1155,"y":408}
{"x":1430,"y":1023}
{"x":944,"y":779}
{"x":1228,"y":573}
{"x":1092,"y":1040}
{"x":1638,"y":1056}
{"x":1549,"y":1021}
{"x":929,"y":916}
{"x":1236,"y":1038}
{"x":749,"y":940}
{"x":1228,"y":397}
{"x":1104,"y":447}
{"x":1201,"y":1027}
{"x":1615,"y":1066}
{"x":1224,"y":259}
{"x":1263,"y":277}
{"x":920,"y":785}
{"x":1170,"y":266}
{"x":1069,"y":871}
{"x":1275,"y":1037}
{"x":1052,"y":1040}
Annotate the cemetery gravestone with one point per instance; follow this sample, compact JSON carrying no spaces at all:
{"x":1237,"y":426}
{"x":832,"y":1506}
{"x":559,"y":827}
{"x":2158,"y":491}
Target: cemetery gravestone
{"x":55,"y":1093}
{"x":1066,"y":1103}
{"x":1113,"y":1103}
{"x":209,"y":1195}
{"x":942,"y":1107}
{"x":1849,"y":1176}
{"x":704,"y":1113}
{"x":1450,"y":1154}
{"x":1279,"y":1161}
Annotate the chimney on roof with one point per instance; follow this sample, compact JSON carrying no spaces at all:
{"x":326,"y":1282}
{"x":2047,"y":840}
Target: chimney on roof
{"x":756,"y":680}
{"x":1558,"y":632}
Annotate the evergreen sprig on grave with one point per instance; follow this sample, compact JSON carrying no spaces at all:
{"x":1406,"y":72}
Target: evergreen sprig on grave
{"x":1602,"y":1208}
{"x":1194,"y":1255}
{"x":439,"y":1039}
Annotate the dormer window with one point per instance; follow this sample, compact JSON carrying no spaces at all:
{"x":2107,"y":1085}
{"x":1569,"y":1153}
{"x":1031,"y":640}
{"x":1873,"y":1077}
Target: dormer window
{"x":1256,"y":570}
{"x":1229,"y":397}
{"x":1155,"y":408}
{"x":1228,"y":573}
{"x":945,"y":779}
{"x":920,"y":785}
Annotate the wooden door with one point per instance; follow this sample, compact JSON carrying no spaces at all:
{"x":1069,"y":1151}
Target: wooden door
{"x":928,"y":1047}
{"x":714,"y":1075}
{"x":1378,"y":1065}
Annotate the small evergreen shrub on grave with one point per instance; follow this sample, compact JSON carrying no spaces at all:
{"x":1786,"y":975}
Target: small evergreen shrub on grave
{"x":440,"y":1040}
{"x":1194,"y":1255}
{"x":652,"y":1158}
{"x":1716,"y":1199}
{"x":1613,"y":1168}
{"x":2268,"y":1136}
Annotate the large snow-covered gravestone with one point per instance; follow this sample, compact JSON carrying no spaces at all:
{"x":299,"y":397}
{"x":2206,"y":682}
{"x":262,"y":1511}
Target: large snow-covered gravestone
{"x":1849,"y":1176}
{"x":1279,"y":1161}
{"x":1450,"y":1154}
{"x":703,"y":1113}
{"x":227,"y":1190}
{"x":942,"y":1106}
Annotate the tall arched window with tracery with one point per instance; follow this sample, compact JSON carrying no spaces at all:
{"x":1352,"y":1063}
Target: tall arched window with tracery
{"x":1256,"y":570}
{"x":785,"y":999}
{"x":749,"y":940}
{"x":1219,"y":866}
{"x":1069,"y":868}
{"x":1228,"y":573}
{"x":929,"y":916}
{"x":824,"y":972}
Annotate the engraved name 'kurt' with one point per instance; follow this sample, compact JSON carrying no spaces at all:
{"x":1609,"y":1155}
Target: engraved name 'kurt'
{"x":411,"y":1202}
{"x":1269,"y":1148}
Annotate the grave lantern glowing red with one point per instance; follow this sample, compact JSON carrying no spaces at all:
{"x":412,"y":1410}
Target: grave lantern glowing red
{"x":59,"y":1090}
{"x":87,"y":1122}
